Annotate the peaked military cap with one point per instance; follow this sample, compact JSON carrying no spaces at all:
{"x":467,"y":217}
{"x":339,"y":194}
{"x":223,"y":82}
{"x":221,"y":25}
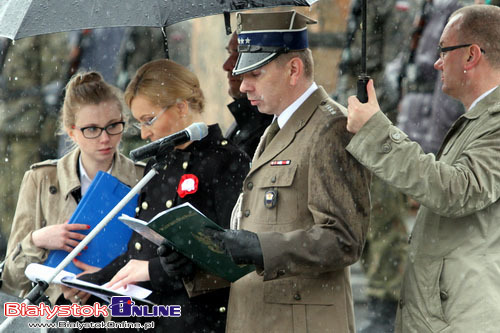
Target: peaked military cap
{"x":264,"y":36}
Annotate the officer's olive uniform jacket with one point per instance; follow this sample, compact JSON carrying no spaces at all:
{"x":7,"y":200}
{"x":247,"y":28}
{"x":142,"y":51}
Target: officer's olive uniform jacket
{"x":313,"y":232}
{"x":46,"y":198}
{"x":452,"y":279}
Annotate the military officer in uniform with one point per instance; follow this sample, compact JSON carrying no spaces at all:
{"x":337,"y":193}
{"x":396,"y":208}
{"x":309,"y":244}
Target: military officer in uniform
{"x":304,"y":212}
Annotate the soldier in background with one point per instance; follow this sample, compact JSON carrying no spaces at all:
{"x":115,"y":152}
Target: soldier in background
{"x":384,"y":255}
{"x":32,"y":76}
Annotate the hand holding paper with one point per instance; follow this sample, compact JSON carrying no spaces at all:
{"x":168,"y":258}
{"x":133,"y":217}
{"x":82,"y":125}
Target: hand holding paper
{"x":134,"y":271}
{"x":243,"y":246}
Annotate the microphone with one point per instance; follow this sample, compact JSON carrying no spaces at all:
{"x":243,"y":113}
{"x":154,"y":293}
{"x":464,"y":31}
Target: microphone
{"x":193,"y":132}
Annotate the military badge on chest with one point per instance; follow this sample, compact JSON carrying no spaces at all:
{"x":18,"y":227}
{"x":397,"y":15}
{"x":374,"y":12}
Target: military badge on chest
{"x":187,"y":185}
{"x":271,"y":198}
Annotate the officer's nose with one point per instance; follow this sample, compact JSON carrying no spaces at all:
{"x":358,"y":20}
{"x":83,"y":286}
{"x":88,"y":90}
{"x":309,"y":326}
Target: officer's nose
{"x":245,"y":84}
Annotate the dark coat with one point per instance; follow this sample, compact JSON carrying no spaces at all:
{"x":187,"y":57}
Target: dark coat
{"x":220,"y":168}
{"x":248,"y":126}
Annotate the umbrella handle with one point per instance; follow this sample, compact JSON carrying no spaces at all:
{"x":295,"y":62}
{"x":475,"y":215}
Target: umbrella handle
{"x":361,"y":94}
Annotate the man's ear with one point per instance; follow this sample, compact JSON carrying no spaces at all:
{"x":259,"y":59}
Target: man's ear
{"x":296,"y":67}
{"x":474,"y":54}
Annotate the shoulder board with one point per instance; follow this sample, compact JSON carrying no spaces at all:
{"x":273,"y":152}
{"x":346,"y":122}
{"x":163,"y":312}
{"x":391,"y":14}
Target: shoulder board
{"x":330,"y":106}
{"x":44,"y":163}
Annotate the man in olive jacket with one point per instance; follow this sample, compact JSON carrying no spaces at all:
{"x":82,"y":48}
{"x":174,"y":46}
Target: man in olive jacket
{"x":303,"y":215}
{"x":452,"y":280}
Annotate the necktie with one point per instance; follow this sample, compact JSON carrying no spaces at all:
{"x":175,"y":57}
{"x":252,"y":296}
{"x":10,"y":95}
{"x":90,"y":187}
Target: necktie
{"x":273,"y":129}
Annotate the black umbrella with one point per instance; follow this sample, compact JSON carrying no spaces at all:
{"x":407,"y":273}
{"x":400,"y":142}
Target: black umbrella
{"x":25,"y":18}
{"x":363,"y":77}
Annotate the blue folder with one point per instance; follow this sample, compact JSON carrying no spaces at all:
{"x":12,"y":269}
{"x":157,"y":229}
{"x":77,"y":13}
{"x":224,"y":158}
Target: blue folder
{"x":102,"y":196}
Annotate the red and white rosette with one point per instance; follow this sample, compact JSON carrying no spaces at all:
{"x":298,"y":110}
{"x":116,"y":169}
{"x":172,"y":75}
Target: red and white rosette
{"x":187,"y":185}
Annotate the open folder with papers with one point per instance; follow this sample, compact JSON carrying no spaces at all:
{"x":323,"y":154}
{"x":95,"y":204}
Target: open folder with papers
{"x":36,"y":272}
{"x":183,"y":227}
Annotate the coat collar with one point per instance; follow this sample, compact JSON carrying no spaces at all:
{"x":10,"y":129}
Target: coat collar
{"x":286,"y":135}
{"x":489,"y":104}
{"x":69,"y":180}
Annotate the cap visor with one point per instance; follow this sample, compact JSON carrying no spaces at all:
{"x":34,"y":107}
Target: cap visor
{"x":250,"y":61}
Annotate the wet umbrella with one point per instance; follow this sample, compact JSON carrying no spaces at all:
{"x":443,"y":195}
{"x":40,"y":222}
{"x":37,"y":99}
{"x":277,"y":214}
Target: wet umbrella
{"x":23,"y":18}
{"x":363,"y":77}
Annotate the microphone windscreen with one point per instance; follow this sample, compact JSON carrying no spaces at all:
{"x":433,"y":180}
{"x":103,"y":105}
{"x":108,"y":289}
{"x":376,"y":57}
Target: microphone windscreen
{"x":197,"y":131}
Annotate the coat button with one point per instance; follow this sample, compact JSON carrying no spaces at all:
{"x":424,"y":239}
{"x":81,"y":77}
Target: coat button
{"x":297,"y":297}
{"x":137,"y":209}
{"x":222,"y":309}
{"x":396,"y":136}
{"x":280,"y":272}
{"x":409,"y":239}
{"x":185,"y":165}
{"x":169,"y":203}
{"x":273,"y":180}
{"x":144,"y":205}
{"x":401,"y":303}
{"x":247,"y":213}
{"x":53,"y":189}
{"x":250,"y":186}
{"x":386,"y":147}
{"x":223,"y":143}
{"x":138,"y":246}
{"x":443,"y":295}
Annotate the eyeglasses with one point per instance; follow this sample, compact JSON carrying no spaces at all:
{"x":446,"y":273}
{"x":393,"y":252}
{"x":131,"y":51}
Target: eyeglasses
{"x":93,"y":132}
{"x":150,"y":122}
{"x":442,"y":50}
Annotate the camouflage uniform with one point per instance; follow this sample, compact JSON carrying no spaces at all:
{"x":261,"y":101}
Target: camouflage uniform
{"x":31,"y":75}
{"x":384,"y":255}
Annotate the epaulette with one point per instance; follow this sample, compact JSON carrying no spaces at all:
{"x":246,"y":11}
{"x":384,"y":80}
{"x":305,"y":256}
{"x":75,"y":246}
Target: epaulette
{"x":44,"y":163}
{"x":331,"y":106}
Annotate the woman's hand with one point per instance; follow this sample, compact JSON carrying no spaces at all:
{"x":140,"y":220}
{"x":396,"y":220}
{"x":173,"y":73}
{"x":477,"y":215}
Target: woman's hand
{"x":87,"y":269}
{"x":134,"y":271}
{"x":75,"y":295}
{"x":59,"y":236}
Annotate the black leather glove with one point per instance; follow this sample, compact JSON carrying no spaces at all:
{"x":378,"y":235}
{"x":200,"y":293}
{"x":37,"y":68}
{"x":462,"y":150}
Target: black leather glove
{"x":243,"y":246}
{"x":174,"y":264}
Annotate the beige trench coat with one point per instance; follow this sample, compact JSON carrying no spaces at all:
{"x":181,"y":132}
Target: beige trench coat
{"x":45,"y":199}
{"x":315,"y":230}
{"x":452,"y":280}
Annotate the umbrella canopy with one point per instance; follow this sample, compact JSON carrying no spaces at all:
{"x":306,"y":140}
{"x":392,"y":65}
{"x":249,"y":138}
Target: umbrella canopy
{"x":23,"y":18}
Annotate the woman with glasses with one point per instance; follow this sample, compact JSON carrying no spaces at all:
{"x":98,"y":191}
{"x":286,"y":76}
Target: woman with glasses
{"x":92,"y":115}
{"x":165,"y":98}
